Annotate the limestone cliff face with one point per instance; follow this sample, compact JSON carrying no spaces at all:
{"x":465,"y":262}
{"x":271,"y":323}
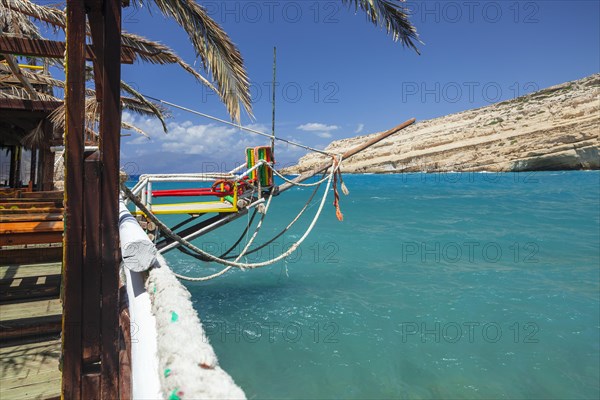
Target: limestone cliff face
{"x":556,"y":128}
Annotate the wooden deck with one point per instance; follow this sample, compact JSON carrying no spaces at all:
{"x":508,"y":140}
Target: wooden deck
{"x":30,"y":371}
{"x":30,"y":308}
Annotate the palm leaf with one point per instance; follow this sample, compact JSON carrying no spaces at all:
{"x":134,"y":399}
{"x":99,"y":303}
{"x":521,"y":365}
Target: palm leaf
{"x":390,"y":15}
{"x":128,"y":126}
{"x":148,"y":50}
{"x":158,"y":53}
{"x":35,"y":137}
{"x":49,"y":15}
{"x":16,"y":23}
{"x":219,"y":55}
{"x":92,"y":115}
{"x":155,"y":109}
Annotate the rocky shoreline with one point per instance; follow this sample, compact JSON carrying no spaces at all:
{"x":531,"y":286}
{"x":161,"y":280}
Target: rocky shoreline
{"x":556,"y":128}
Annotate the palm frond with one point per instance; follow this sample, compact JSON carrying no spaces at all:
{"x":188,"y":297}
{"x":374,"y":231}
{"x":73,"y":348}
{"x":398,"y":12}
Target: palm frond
{"x":148,"y":50}
{"x":92,"y":114}
{"x":157,"y":53}
{"x":16,"y":23}
{"x":41,"y":79}
{"x":128,"y":126}
{"x":91,"y":110}
{"x":49,"y":15}
{"x":155,"y":109}
{"x":18,"y":92}
{"x":138,"y":103}
{"x":135,"y":105}
{"x":219,"y":55}
{"x":35,"y":137}
{"x":390,"y":15}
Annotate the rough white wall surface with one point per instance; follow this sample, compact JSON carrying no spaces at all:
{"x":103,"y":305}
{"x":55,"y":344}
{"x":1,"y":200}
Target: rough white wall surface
{"x":188,"y":366}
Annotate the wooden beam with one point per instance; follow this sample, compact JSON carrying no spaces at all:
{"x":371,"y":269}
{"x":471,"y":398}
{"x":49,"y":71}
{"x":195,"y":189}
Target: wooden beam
{"x":29,"y":105}
{"x":73,"y":241}
{"x":50,"y":49}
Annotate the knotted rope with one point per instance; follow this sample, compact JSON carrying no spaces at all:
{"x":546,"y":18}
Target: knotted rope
{"x":336,"y":195}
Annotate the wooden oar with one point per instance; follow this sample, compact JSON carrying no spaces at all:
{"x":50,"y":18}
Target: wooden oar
{"x":348,"y":154}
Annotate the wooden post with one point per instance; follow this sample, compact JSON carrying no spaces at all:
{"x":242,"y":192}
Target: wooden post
{"x":73,"y":240}
{"x":18,"y":158}
{"x":46,"y":170}
{"x":110,"y":136}
{"x":12,"y":168}
{"x":32,"y":168}
{"x":91,"y":311}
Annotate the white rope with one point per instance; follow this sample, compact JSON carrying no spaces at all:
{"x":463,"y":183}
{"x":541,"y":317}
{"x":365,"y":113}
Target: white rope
{"x":273,"y":260}
{"x":298,"y":183}
{"x":294,"y":183}
{"x":236,"y":264}
{"x":242,"y":253}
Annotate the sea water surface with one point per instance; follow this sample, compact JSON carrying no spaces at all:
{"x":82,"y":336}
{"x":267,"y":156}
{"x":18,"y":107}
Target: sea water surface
{"x":434,"y":286}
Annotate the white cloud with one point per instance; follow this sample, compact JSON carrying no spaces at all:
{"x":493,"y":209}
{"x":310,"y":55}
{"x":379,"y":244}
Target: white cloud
{"x":317,"y":127}
{"x":359,"y":128}
{"x":321,"y":130}
{"x":187,"y":145}
{"x":208,"y":140}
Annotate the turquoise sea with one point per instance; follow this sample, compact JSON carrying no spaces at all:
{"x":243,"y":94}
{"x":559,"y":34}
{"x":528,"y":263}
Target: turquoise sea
{"x":445,"y":286}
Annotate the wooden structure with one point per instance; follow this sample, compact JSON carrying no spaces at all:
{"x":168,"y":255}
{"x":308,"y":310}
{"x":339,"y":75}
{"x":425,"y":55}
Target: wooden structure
{"x":92,"y":367}
{"x":30,"y":307}
{"x":94,"y":321}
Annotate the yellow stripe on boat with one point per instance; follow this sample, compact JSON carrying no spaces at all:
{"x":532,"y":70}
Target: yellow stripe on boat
{"x":192,"y":208}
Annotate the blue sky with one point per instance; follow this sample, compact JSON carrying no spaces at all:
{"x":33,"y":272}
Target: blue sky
{"x":340,"y":76}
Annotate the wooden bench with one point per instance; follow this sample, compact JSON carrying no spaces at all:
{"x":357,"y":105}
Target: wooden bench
{"x":31,"y":231}
{"x":40,"y":210}
{"x":18,"y":204}
{"x":21,"y":233}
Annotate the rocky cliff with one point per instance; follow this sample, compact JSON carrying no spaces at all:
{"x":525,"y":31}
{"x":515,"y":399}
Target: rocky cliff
{"x":556,"y":128}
